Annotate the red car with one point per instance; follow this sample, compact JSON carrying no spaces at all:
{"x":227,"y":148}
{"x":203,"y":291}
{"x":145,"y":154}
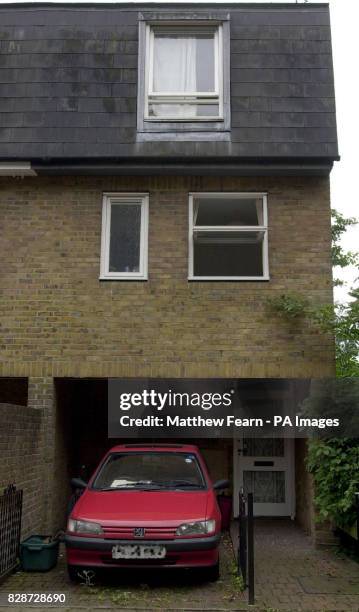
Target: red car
{"x":146,"y":505}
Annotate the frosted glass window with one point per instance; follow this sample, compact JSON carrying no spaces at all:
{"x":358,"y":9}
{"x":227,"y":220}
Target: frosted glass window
{"x":124,"y":237}
{"x":267,"y":487}
{"x":263,"y":447}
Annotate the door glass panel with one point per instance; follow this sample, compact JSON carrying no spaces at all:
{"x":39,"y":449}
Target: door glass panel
{"x":267,"y":487}
{"x":263,"y":447}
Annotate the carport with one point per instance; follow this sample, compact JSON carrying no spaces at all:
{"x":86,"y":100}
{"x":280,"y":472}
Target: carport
{"x":60,"y":425}
{"x":82,"y":438}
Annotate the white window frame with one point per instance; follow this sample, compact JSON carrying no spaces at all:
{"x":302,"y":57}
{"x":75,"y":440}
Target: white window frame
{"x":110,"y":199}
{"x":225,"y":228}
{"x":180,"y":97}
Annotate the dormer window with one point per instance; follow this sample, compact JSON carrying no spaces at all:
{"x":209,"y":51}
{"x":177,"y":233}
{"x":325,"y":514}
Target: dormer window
{"x":184,"y":75}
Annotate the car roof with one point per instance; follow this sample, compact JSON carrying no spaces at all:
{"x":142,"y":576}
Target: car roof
{"x":182,"y":448}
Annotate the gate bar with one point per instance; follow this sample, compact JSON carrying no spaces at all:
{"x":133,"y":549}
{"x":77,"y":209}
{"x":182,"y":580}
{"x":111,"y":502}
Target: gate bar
{"x":250,"y":546}
{"x":242,"y":537}
{"x":357,"y":508}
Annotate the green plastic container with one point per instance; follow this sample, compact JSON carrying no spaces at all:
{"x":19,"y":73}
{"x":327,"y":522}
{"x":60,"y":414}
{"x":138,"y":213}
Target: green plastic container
{"x":38,"y":554}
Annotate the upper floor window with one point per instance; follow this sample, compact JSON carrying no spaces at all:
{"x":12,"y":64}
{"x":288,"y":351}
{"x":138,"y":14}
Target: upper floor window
{"x":228,"y":236}
{"x":124,"y":236}
{"x":184,"y":75}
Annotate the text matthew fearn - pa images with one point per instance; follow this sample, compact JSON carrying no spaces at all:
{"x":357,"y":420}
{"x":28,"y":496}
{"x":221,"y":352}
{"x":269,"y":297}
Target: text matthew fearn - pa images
{"x":226,"y":421}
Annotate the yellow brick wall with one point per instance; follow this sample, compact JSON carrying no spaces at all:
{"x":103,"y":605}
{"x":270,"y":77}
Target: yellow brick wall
{"x":20,"y":438}
{"x":58,"y":319}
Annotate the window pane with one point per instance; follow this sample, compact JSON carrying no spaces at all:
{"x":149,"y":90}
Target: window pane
{"x":205,"y":64}
{"x":263,"y":447}
{"x":230,"y":211}
{"x":183,"y":63}
{"x":172,"y":111}
{"x":207,"y":110}
{"x":125,"y":238}
{"x":267,"y":487}
{"x":228,"y":254}
{"x":182,"y":111}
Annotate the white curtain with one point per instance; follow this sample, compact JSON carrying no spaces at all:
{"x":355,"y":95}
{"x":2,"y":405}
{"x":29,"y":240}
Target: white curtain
{"x":174,"y":71}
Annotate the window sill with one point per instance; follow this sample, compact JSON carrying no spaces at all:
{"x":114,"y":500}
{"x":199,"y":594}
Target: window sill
{"x":184,"y":120}
{"x":228,"y":278}
{"x":123,"y":278}
{"x":165,"y":125}
{"x":184,"y":136}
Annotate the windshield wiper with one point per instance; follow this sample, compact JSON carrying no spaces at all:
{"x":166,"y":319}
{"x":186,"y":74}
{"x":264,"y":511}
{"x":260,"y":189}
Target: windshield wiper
{"x":184,"y":484}
{"x":153,"y":485}
{"x":142,"y":485}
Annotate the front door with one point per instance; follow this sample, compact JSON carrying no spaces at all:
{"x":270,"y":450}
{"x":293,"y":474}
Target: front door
{"x":265,"y":467}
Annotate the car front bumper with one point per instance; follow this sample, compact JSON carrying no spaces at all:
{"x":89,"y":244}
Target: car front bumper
{"x":181,"y":552}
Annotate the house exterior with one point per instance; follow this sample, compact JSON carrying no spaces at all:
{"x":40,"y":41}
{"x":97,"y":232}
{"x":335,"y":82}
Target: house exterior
{"x":164,"y":173}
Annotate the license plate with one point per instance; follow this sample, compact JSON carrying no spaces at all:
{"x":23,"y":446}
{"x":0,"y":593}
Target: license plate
{"x":138,"y":551}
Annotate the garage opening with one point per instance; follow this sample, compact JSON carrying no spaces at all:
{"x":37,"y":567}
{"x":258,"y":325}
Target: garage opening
{"x":82,"y":439}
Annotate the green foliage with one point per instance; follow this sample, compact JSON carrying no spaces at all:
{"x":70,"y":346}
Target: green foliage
{"x":340,"y":257}
{"x":343,"y":321}
{"x":289,"y":305}
{"x":334,"y":464}
{"x":340,"y":320}
{"x":238,"y":581}
{"x":330,"y":398}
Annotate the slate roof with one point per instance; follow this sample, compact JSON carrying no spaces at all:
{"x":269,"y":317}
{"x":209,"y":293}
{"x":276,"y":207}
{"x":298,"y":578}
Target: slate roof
{"x":68,"y":84}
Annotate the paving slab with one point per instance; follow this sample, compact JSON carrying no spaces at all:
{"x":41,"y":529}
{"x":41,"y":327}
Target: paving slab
{"x":291,"y":575}
{"x":156,"y":589}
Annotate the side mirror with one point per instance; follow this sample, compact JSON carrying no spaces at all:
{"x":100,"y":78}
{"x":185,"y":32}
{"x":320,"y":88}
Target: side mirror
{"x":221,"y":484}
{"x":78,"y":483}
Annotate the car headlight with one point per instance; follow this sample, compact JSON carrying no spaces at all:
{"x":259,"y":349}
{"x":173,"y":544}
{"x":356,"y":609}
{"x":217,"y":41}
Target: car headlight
{"x":78,"y":526}
{"x":197,"y":528}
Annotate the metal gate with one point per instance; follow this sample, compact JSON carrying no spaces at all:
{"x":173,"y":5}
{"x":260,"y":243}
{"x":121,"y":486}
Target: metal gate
{"x":10,"y":528}
{"x":246,"y":543}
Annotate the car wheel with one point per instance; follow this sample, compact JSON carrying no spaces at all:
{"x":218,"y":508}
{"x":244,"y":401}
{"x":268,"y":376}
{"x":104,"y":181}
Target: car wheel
{"x":73,"y":572}
{"x":212,"y":574}
{"x":85,"y":575}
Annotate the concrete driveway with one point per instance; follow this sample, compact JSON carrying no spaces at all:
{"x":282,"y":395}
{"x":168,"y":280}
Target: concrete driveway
{"x":290,"y":575}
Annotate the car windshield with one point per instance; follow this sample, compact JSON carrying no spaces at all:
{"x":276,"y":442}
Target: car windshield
{"x":150,"y":471}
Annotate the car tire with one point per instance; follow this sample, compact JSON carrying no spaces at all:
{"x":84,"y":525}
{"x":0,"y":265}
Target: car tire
{"x":73,"y":572}
{"x":213,"y":573}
